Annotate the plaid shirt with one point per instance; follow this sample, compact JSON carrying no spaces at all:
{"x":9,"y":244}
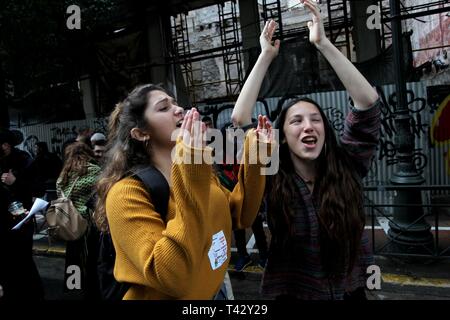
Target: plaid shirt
{"x":296,"y":268}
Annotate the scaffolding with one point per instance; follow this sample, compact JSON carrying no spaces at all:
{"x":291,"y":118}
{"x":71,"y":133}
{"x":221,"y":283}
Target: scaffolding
{"x":181,"y":48}
{"x":407,"y":12}
{"x":339,"y":25}
{"x":230,"y":39}
{"x":386,"y":31}
{"x":272,"y":11}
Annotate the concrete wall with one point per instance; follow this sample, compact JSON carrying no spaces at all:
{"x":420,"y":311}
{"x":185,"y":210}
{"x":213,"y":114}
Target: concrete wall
{"x":429,"y":31}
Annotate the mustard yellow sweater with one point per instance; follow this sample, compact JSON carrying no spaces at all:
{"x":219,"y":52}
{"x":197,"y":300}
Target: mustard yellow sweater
{"x":171,"y":261}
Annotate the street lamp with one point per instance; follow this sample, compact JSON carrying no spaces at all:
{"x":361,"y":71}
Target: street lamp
{"x":408,"y":228}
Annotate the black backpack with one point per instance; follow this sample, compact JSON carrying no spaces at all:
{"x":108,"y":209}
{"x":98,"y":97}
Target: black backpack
{"x":158,"y":187}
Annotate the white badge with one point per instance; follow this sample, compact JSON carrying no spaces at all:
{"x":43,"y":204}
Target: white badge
{"x":218,"y":252}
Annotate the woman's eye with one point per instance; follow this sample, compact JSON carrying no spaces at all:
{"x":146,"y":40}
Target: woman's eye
{"x":164,"y":108}
{"x":315,"y":120}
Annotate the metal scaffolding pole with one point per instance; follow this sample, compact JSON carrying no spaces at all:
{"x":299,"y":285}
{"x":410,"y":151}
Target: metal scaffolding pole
{"x":230,"y":38}
{"x":181,"y":48}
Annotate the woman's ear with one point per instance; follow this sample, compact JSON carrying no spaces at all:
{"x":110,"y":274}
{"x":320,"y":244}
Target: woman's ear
{"x":139,"y":135}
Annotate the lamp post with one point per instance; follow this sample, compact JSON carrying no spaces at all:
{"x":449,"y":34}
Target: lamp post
{"x":408,"y":228}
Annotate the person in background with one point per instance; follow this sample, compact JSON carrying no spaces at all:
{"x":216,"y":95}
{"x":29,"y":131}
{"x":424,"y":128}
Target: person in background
{"x":44,"y":169}
{"x":77,"y":180}
{"x":18,"y":272}
{"x":208,"y":122}
{"x":84,"y":134}
{"x":99,"y":151}
{"x":98,"y":139}
{"x":227,"y":172}
{"x":98,"y":142}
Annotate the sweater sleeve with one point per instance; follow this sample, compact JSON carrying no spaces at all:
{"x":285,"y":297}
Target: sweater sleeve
{"x":246,"y":197}
{"x":361,"y":135}
{"x":165,"y":256}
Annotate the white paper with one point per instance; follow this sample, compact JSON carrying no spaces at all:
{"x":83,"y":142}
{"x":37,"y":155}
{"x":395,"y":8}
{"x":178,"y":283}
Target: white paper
{"x":38,"y":205}
{"x":218,"y":252}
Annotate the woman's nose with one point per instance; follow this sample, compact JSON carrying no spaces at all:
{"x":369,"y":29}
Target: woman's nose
{"x":179,"y":111}
{"x":307,"y":125}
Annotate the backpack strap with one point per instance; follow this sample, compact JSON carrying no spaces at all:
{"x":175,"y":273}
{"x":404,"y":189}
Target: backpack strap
{"x":157,"y":186}
{"x":71,"y":188}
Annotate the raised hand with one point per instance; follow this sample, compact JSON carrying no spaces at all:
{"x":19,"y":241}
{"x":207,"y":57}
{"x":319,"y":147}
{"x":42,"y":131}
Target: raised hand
{"x":269,"y":47}
{"x":316,"y":29}
{"x":264,"y":130}
{"x":193,"y":130}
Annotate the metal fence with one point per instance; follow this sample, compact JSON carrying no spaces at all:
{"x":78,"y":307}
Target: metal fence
{"x":434,"y":213}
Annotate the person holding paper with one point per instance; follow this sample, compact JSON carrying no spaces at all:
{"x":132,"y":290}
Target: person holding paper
{"x":18,"y":272}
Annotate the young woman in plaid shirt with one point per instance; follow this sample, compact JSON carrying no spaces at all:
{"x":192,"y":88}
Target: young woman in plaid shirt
{"x":318,"y":248}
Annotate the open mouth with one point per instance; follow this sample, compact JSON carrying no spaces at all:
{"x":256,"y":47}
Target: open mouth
{"x":179,"y":123}
{"x":309,"y":142}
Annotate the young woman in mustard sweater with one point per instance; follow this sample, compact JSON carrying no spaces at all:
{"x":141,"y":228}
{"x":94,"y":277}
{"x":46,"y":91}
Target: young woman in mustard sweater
{"x":172,"y":258}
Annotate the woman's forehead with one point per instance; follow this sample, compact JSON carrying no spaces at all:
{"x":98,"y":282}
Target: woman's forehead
{"x":156,"y":96}
{"x":303,"y":108}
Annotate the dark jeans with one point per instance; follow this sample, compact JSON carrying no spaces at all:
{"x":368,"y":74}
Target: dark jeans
{"x":84,"y":254}
{"x":19,"y":275}
{"x":260,"y":239}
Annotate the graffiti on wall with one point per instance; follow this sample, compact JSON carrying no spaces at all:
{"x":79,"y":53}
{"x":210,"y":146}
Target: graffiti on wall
{"x":387,"y":148}
{"x":29,"y":144}
{"x":57,"y":135}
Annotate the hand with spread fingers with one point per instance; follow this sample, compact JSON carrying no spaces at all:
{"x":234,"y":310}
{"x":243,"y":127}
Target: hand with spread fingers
{"x":316,"y":29}
{"x":242,"y":111}
{"x":264,"y":130}
{"x":269,"y":47}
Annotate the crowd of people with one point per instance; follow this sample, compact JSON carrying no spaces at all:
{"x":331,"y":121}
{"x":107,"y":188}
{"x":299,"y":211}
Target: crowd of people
{"x":180,"y":249}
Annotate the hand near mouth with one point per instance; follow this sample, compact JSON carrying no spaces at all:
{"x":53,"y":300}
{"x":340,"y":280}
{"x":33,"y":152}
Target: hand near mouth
{"x":193,"y":130}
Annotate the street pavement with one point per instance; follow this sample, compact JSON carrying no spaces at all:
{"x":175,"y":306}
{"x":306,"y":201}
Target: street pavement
{"x":402,"y":280}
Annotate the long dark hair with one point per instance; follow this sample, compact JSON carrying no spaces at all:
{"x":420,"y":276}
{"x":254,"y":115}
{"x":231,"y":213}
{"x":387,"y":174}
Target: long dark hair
{"x":77,"y":157}
{"x":339,"y":192}
{"x":123,"y":153}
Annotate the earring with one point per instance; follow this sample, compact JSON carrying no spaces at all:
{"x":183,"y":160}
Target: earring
{"x":147,"y":143}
